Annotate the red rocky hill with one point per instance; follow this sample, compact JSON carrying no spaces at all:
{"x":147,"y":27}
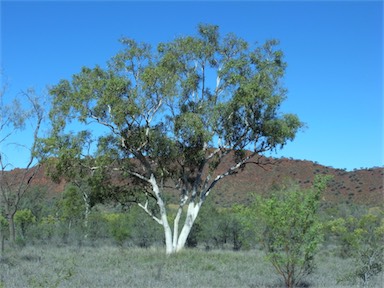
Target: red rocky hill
{"x":363,"y":186}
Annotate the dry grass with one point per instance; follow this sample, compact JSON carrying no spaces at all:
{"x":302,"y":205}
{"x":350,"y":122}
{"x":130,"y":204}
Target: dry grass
{"x":106,"y":266}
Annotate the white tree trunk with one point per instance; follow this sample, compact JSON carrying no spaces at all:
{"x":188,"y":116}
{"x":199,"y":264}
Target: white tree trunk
{"x":176,"y":227}
{"x":167,"y":233}
{"x":193,"y":210}
{"x":86,"y":213}
{"x":163,"y":215}
{"x":174,"y":242}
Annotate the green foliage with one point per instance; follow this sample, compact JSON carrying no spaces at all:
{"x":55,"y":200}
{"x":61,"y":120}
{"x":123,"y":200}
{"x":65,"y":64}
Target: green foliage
{"x":3,"y":224}
{"x":292,"y":230}
{"x":23,"y":219}
{"x":143,"y":87}
{"x":98,"y":226}
{"x":71,"y":205}
{"x":132,"y":227}
{"x":36,"y":201}
{"x":220,"y":228}
{"x":362,"y":239}
{"x":144,"y":232}
{"x":47,"y":227}
{"x":118,"y":224}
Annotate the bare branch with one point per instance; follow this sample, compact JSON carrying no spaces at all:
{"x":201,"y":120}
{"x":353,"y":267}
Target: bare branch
{"x":98,"y":120}
{"x":230,"y":171}
{"x":145,"y":208}
{"x":133,"y":173}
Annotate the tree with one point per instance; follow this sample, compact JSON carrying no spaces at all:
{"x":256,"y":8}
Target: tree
{"x":75,"y":172}
{"x":14,"y":186}
{"x":3,"y":228}
{"x":168,"y":117}
{"x":70,"y":207}
{"x":292,"y":230}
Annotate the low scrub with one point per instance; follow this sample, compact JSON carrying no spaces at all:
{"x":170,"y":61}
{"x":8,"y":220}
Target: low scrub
{"x":111,"y":266}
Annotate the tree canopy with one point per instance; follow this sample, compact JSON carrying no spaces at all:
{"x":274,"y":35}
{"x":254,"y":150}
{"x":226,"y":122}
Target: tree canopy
{"x":170,"y":115}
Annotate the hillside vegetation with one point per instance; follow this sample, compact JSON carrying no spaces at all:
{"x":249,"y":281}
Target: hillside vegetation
{"x":361,"y":186}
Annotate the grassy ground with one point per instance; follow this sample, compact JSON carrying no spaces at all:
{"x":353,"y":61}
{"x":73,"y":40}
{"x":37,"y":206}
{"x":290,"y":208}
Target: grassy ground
{"x":106,"y":266}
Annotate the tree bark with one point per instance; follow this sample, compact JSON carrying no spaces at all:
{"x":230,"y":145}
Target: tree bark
{"x":163,"y":215}
{"x":86,"y":213}
{"x":12,"y":230}
{"x":176,"y":227}
{"x":2,"y":240}
{"x":2,"y":245}
{"x":193,"y":210}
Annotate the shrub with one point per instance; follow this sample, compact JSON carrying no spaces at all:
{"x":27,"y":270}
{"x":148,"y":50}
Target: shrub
{"x":23,"y":220}
{"x":292,"y":230}
{"x":47,"y":227}
{"x":363,"y":239}
{"x":118,"y":224}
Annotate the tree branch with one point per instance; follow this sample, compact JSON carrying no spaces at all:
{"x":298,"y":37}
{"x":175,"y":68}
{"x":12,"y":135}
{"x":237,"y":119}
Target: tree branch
{"x":230,"y":171}
{"x":145,"y":208}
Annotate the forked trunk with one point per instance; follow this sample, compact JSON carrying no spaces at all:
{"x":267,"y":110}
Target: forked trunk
{"x":174,"y":242}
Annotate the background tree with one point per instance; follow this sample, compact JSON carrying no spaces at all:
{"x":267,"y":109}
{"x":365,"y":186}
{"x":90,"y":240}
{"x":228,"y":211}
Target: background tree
{"x":292,"y":230}
{"x":70,"y":209}
{"x":168,"y":117}
{"x":74,"y":171}
{"x":3,"y":228}
{"x":13,"y":187}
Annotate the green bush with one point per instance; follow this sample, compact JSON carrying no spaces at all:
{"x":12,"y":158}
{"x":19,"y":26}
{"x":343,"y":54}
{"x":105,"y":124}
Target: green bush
{"x":363,"y":239}
{"x":219,"y":228}
{"x":292,"y":230}
{"x":98,"y":228}
{"x":23,"y":220}
{"x":3,"y":224}
{"x":47,"y":227}
{"x":118,"y":224}
{"x":144,"y":231}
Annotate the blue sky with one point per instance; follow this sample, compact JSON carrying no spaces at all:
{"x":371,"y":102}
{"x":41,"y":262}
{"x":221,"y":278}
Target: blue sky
{"x":333,"y":50}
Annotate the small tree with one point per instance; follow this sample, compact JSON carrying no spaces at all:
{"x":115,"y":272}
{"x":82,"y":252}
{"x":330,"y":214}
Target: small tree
{"x":73,"y":170}
{"x":13,"y":186}
{"x":292,"y":230}
{"x":71,"y":207}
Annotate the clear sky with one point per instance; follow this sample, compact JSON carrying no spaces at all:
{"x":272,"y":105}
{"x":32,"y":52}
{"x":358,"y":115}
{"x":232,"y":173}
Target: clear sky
{"x":334,"y":52}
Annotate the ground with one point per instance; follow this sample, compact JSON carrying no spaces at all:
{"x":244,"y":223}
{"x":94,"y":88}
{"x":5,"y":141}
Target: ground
{"x":108,"y":266}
